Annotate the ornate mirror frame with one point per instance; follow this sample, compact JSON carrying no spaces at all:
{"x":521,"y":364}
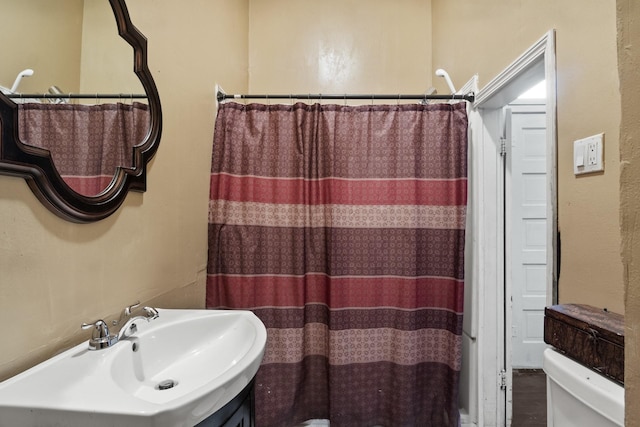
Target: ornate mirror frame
{"x":36,"y":165}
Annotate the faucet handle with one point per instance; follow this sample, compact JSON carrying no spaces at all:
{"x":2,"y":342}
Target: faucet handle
{"x":151,"y":313}
{"x":129,"y":309}
{"x":100,"y":337}
{"x":126,"y":313}
{"x":100,"y":326}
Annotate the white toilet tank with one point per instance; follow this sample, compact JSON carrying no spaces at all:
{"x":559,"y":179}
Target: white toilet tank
{"x":580,"y":397}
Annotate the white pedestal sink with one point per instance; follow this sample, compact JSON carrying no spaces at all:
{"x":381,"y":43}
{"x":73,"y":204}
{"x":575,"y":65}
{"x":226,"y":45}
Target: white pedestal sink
{"x":176,"y":370}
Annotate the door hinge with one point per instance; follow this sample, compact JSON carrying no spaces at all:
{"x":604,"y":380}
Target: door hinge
{"x":503,"y":147}
{"x":502,"y":379}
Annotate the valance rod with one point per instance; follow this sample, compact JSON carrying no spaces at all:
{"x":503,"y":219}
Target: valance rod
{"x":221,"y":96}
{"x":124,"y":96}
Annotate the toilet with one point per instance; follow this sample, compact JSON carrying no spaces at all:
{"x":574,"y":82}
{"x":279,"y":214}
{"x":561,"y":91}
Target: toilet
{"x":580,"y":397}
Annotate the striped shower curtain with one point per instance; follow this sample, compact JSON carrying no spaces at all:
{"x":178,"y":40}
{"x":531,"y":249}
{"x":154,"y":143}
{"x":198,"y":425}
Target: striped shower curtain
{"x":342,"y":228}
{"x":86,"y":142}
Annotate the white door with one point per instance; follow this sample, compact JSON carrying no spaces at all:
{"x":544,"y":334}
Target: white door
{"x":526,"y":243}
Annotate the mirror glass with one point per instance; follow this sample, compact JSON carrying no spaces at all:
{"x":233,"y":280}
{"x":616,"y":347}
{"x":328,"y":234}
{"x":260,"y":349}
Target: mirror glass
{"x":73,"y":47}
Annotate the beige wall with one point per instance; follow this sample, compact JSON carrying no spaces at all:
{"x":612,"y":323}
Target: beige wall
{"x":54,"y":274}
{"x":52,"y":50}
{"x":629,"y":57}
{"x":485,"y":37}
{"x":65,"y":55}
{"x":108,"y":69}
{"x":339,"y":46}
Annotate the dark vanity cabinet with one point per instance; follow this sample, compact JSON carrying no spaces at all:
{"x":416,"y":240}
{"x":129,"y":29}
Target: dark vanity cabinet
{"x":239,"y":412}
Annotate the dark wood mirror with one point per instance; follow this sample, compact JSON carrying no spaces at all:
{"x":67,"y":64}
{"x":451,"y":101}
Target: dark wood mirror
{"x":135,"y":99}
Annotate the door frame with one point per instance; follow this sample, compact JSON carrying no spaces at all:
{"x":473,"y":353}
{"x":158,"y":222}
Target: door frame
{"x":485,"y":267}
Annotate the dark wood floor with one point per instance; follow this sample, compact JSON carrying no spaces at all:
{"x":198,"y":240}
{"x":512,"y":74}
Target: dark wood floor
{"x":529,"y":398}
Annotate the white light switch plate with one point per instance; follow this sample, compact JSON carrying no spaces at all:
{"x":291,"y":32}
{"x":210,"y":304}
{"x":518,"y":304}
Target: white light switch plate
{"x":588,"y":154}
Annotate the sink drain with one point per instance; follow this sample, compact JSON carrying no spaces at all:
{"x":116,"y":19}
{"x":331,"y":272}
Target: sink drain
{"x":166,"y":384}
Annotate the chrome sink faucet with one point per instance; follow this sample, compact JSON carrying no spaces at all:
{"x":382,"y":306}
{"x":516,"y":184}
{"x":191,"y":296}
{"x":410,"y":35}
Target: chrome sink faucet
{"x":101,"y":337}
{"x":127,"y":319}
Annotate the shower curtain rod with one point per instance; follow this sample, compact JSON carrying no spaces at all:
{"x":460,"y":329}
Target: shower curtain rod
{"x":78,"y":95}
{"x":221,"y":96}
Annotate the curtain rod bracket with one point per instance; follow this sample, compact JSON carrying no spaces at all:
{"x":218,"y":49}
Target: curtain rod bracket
{"x":220,"y":94}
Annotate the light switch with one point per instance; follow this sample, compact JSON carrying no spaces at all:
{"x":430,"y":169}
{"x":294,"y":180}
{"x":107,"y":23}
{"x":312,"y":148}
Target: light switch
{"x":588,"y":154}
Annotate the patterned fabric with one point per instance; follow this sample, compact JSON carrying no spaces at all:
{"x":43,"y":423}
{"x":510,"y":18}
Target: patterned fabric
{"x":87,"y":142}
{"x":342,"y":228}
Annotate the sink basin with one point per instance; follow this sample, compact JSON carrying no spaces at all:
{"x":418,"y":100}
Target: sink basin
{"x":175,"y":370}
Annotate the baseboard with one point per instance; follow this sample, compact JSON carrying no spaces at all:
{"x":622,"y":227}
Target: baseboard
{"x":465,"y":420}
{"x":315,"y":423}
